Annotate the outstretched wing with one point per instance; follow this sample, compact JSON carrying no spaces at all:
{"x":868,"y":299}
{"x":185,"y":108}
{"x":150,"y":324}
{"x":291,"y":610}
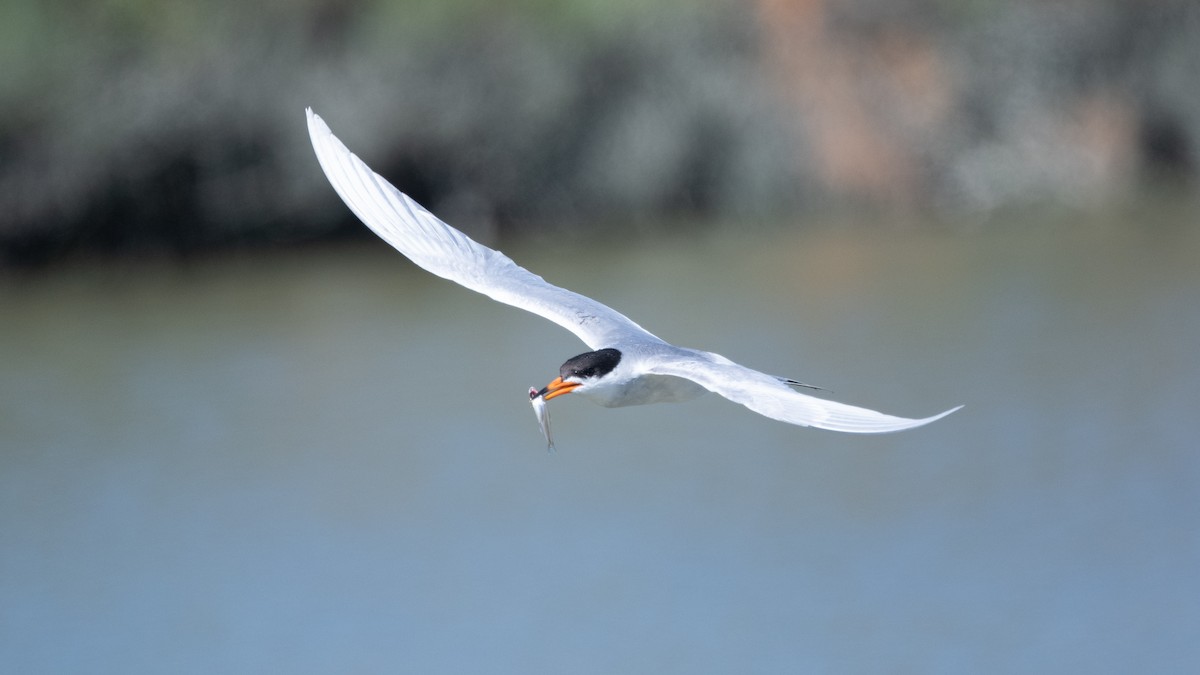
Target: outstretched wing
{"x":450,"y":254}
{"x":767,"y":395}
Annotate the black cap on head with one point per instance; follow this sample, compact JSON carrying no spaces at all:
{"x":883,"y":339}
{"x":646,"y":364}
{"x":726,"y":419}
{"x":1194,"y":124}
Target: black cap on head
{"x":591,"y":364}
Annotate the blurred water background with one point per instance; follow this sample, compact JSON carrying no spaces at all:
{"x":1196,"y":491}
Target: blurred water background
{"x":239,"y":434}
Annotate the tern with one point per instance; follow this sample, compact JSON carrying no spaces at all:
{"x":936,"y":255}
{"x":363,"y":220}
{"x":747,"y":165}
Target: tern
{"x":627,"y":365}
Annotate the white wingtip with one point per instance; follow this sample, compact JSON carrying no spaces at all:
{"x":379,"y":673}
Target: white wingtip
{"x":927,"y":420}
{"x":315,"y":123}
{"x":855,"y":420}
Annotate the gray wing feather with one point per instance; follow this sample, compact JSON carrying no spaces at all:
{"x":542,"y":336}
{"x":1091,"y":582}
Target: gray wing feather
{"x":768,"y":396}
{"x":450,"y":254}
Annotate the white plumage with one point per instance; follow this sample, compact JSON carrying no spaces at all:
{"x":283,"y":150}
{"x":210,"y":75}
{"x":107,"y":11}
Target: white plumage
{"x":629,"y":365}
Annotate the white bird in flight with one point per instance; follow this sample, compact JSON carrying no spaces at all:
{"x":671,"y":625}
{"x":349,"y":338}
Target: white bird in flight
{"x":628,"y":364}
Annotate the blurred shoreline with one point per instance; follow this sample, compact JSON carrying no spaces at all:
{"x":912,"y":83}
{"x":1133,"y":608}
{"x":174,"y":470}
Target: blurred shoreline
{"x":159,"y":127}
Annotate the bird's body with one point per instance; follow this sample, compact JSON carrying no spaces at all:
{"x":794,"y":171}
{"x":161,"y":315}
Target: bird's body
{"x":628,"y":364}
{"x":633,"y":382}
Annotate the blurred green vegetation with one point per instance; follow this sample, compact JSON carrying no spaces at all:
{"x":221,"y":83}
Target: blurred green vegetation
{"x":132,"y":125}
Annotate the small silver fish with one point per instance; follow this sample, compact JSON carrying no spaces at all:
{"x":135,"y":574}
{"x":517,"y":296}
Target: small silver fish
{"x":543,"y":415}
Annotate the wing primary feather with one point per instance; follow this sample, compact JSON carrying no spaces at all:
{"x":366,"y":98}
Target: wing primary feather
{"x":772,"y":397}
{"x":450,"y":254}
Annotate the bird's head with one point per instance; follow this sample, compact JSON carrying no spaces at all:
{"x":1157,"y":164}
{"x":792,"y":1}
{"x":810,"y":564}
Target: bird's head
{"x":580,"y":373}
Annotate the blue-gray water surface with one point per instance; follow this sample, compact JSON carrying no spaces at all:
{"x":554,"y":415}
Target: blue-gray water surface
{"x":325,"y":461}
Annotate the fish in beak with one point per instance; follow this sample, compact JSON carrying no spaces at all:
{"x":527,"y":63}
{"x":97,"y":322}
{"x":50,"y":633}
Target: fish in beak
{"x":543,"y":415}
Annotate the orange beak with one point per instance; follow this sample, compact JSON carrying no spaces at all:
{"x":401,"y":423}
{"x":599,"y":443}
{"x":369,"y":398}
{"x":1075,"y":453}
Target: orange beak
{"x":556,"y":388}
